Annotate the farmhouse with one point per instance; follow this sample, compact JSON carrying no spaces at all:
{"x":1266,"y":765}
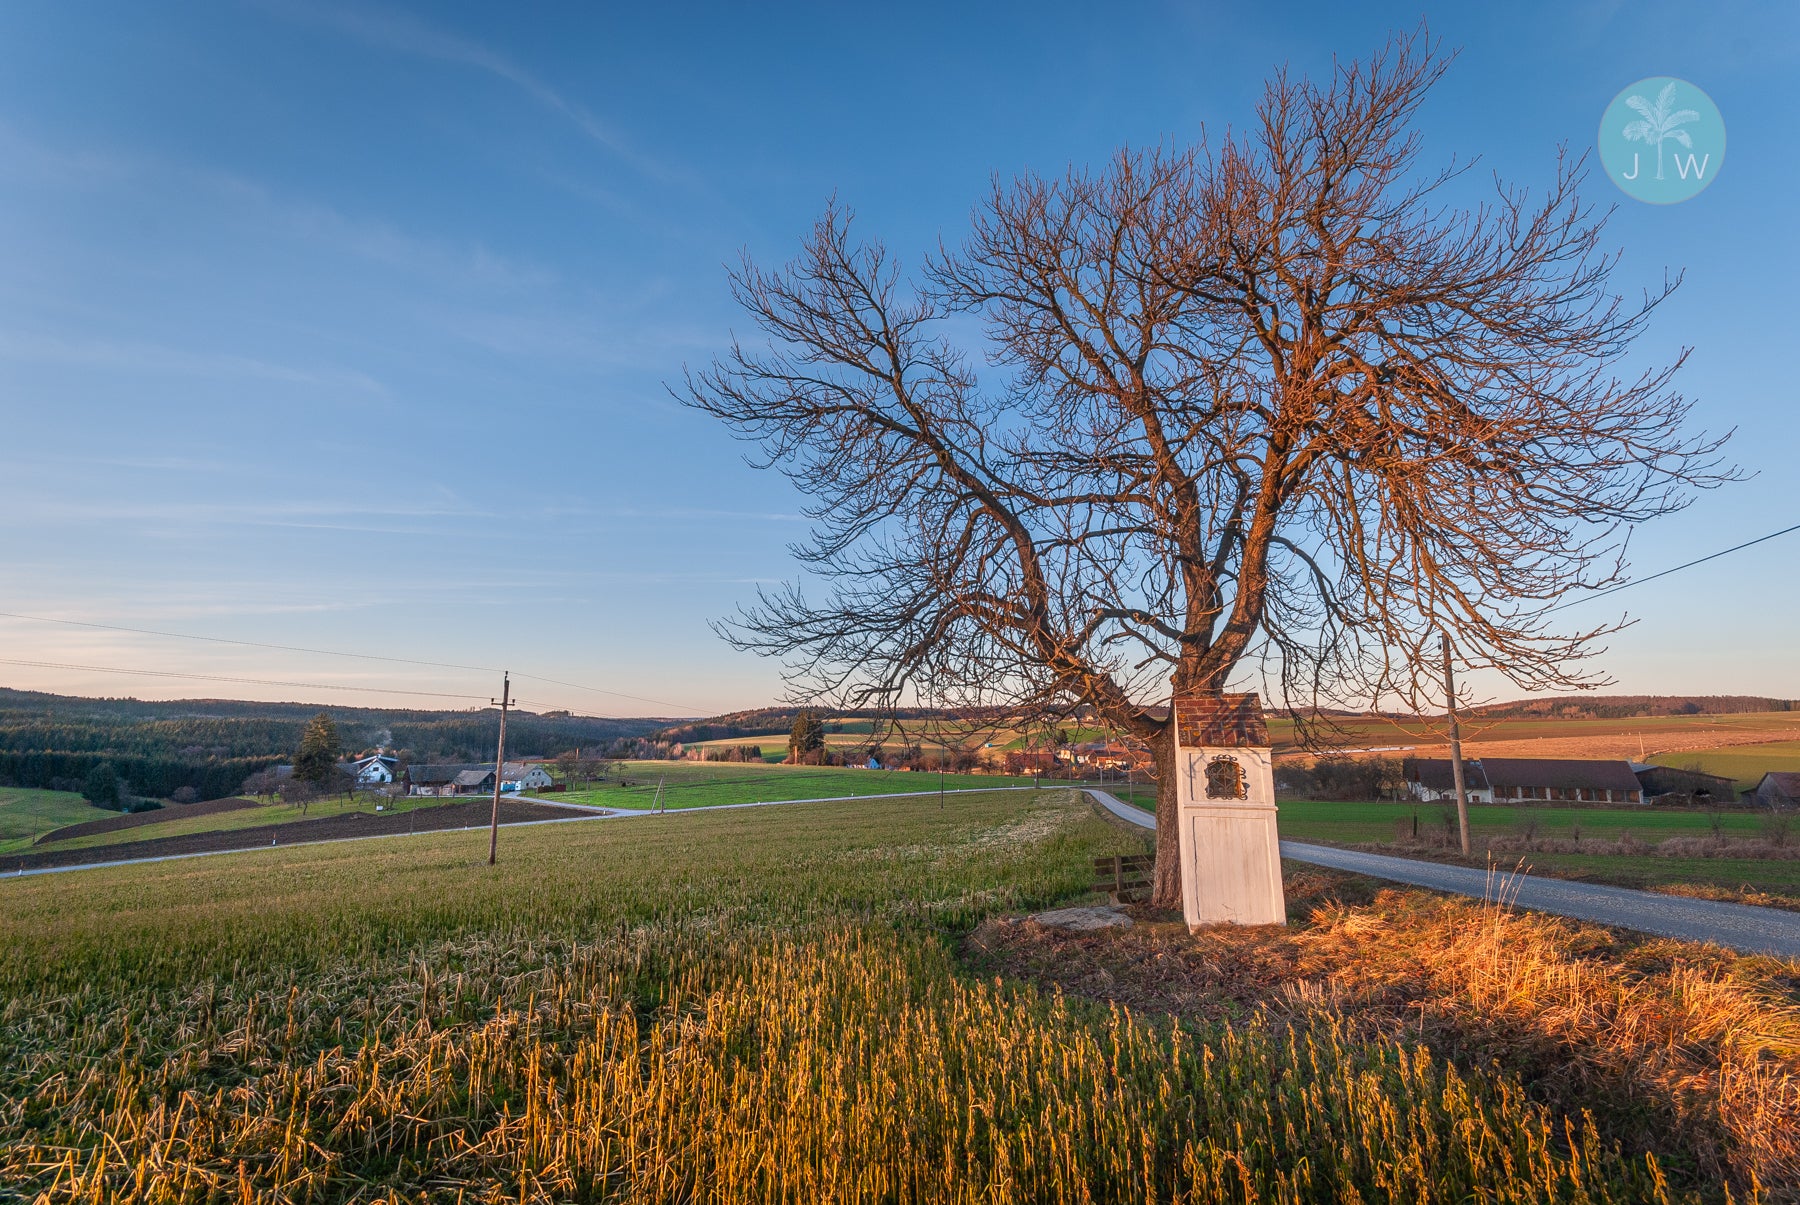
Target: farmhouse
{"x":524,"y":776}
{"x":1432,"y":778}
{"x":377,"y":769}
{"x":1104,"y":755}
{"x":1504,"y":779}
{"x":1778,"y":789}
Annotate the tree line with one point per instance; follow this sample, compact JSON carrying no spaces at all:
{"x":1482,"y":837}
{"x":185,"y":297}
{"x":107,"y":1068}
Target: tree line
{"x":210,"y":746}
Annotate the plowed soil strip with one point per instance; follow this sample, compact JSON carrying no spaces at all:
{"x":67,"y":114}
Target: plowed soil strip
{"x":471,"y":814}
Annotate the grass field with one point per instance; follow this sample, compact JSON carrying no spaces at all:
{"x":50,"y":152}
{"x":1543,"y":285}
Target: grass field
{"x":769,"y":1005}
{"x":1744,"y":763}
{"x":1355,"y":823}
{"x":26,"y":814}
{"x":707,"y":784}
{"x":172,"y":823}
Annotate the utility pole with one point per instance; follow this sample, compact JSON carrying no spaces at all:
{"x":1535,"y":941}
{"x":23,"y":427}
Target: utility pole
{"x":499,"y":765}
{"x":1456,"y":762}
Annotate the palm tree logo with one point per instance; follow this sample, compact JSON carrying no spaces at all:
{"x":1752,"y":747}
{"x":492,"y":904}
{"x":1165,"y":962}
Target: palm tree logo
{"x":1659,"y":121}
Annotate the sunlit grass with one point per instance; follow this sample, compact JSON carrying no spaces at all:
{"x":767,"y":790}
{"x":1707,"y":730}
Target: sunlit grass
{"x":751,"y":1005}
{"x":27,"y":813}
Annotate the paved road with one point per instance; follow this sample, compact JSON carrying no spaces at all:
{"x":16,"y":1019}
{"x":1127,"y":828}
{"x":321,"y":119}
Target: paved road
{"x":1737,"y":926}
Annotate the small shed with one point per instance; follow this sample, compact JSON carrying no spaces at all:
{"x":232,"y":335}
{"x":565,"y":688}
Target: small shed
{"x":1778,"y":789}
{"x":1667,"y":785}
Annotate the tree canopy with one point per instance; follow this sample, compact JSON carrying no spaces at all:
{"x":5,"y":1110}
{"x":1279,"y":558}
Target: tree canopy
{"x":1281,"y":407}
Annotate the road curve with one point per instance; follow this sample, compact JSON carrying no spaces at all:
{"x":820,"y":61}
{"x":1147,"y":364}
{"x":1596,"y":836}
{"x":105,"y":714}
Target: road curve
{"x":1739,"y":927}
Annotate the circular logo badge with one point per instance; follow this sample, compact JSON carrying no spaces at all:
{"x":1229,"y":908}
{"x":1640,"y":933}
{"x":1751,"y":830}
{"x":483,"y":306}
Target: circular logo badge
{"x":1662,"y":140}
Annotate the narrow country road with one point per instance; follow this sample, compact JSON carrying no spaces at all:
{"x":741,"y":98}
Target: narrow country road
{"x":1740,"y":927}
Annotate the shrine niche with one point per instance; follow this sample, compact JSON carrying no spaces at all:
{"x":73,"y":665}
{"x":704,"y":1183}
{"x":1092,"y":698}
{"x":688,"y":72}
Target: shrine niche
{"x":1230,"y":849}
{"x":1225,"y":778}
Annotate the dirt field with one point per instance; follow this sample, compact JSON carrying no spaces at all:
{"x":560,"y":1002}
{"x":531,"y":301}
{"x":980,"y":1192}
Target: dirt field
{"x":473,"y":814}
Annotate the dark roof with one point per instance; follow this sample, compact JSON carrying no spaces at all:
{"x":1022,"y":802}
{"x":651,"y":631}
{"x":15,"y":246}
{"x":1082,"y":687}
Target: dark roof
{"x":1566,"y":774}
{"x":475,"y":777}
{"x":433,"y":775}
{"x":1434,"y":774}
{"x":1667,"y":780}
{"x":1785,"y":781}
{"x":1229,"y":720}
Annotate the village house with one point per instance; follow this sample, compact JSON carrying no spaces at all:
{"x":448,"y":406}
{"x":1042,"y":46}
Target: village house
{"x":525,"y":776}
{"x":1526,"y":779}
{"x":1778,"y":789}
{"x":376,"y":770}
{"x":1105,"y":755}
{"x":1431,"y":779}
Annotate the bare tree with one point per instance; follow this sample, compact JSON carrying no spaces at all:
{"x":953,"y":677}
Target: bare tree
{"x":1278,"y":410}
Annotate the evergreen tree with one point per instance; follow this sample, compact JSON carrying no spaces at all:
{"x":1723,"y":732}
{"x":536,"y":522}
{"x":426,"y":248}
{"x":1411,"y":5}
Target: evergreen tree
{"x":319,"y":749}
{"x":102,"y":786}
{"x":807,"y":736}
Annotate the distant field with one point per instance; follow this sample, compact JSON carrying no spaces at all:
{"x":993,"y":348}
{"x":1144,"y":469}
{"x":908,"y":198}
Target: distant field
{"x":1744,"y":763}
{"x":1657,"y":738}
{"x":26,"y":813}
{"x":706,"y":784}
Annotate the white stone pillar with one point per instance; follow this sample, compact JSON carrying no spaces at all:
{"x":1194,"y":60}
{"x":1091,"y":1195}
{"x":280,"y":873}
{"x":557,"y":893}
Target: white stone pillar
{"x":1230,"y":850}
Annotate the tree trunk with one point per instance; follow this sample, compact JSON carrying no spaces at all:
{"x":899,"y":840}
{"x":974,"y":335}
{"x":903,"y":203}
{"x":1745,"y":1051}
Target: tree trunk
{"x":1165,"y":891}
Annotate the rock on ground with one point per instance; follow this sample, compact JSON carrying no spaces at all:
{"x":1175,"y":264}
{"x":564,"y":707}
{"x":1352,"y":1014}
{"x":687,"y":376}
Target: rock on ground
{"x":1084,"y":920}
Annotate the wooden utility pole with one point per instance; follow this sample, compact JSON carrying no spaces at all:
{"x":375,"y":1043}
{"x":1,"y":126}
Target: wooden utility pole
{"x":1456,"y":762}
{"x":499,"y":766}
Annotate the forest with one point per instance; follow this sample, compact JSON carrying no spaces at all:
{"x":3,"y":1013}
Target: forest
{"x":212,"y":745}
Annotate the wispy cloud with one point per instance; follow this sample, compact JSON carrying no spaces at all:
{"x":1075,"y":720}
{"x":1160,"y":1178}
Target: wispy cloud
{"x":242,"y":513}
{"x":406,"y":34}
{"x":140,"y":357}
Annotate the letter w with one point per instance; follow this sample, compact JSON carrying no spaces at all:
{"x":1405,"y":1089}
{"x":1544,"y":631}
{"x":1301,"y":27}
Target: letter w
{"x":1699,"y":170}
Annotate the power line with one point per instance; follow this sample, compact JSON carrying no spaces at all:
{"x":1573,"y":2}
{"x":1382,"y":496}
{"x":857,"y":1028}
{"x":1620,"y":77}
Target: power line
{"x":1711,"y":556}
{"x":254,"y":644}
{"x":163,"y":673}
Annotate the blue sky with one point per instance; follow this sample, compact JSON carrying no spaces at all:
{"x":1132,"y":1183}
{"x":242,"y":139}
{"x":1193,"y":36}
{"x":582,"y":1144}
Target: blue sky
{"x":347,"y":326}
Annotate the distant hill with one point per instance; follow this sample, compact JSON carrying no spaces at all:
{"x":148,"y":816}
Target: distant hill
{"x":212,"y":745}
{"x":1619,"y":707}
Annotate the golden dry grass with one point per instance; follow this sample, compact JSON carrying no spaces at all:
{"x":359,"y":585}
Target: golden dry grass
{"x":1684,"y":1049}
